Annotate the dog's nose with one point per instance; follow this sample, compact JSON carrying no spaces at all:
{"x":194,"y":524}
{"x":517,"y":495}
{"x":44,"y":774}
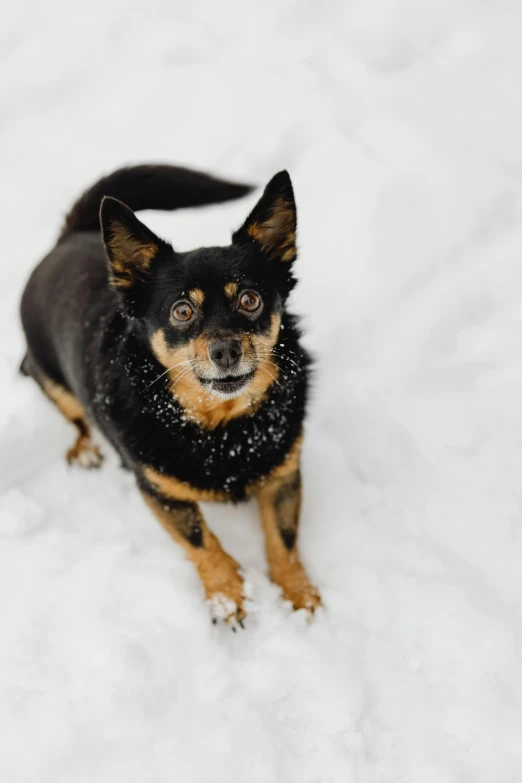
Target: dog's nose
{"x":226,"y":354}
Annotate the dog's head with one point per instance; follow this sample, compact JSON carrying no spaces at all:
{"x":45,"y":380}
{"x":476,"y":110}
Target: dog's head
{"x":212,"y":316}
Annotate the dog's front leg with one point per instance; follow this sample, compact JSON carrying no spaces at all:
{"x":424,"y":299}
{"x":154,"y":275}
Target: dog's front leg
{"x":217,"y":570}
{"x":280,"y":503}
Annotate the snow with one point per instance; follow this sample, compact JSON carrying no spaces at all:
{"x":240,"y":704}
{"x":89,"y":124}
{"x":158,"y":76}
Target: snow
{"x":400,"y":123}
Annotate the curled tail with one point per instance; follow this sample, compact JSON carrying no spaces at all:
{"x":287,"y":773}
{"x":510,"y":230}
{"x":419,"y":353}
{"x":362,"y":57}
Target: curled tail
{"x":150,"y":187}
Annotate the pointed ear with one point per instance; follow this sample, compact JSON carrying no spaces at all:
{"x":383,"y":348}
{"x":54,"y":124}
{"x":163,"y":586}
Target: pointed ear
{"x":129,"y":244}
{"x":273,"y":221}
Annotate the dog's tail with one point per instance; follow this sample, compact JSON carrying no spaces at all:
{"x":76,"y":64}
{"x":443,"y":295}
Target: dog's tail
{"x":150,"y":187}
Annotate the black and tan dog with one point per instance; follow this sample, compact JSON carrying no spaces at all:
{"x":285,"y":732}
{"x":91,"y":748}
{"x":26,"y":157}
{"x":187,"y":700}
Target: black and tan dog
{"x":187,"y":362}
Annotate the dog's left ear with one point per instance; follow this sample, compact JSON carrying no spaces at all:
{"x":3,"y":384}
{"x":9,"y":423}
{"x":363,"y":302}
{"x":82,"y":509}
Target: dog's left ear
{"x":272,"y":223}
{"x":129,"y":244}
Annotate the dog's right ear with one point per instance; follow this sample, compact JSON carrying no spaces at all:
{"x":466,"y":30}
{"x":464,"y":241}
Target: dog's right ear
{"x":130,"y":245}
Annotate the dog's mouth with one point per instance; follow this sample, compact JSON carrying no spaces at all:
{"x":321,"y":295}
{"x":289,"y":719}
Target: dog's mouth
{"x":229,"y":385}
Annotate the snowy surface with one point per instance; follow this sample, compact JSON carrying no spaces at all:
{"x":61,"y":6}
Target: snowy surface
{"x":401,"y":125}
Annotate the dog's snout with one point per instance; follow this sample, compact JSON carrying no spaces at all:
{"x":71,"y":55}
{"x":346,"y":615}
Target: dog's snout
{"x":226,"y":354}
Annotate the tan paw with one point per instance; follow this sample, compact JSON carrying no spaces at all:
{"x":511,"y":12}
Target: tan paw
{"x":307,"y":597}
{"x":225,"y":597}
{"x":296,"y":586}
{"x":85,"y":453}
{"x":223,"y":609}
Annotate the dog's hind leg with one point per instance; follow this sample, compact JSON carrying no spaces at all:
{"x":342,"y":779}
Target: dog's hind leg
{"x":84,"y":451}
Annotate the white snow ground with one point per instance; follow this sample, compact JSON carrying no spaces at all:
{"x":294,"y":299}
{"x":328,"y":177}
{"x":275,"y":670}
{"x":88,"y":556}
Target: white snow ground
{"x":401,"y":124}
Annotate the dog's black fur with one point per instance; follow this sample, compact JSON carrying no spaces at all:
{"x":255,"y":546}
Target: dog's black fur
{"x":90,"y":313}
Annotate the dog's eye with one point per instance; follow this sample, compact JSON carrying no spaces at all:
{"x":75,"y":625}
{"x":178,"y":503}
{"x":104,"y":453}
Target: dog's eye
{"x":182,"y":311}
{"x":250,"y":301}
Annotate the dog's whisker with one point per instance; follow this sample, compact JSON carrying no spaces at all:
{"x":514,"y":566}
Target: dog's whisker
{"x":169,"y":369}
{"x":181,"y":375}
{"x":269,"y":373}
{"x":264,"y":362}
{"x":280,"y":370}
{"x":184,"y":370}
{"x":287,"y":350}
{"x":281,"y":356}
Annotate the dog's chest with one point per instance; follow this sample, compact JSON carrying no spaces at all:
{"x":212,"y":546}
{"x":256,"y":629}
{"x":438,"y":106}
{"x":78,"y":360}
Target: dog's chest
{"x":226,"y":459}
{"x":149,"y":427}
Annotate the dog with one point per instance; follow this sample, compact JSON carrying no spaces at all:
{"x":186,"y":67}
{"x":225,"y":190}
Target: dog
{"x":187,"y":362}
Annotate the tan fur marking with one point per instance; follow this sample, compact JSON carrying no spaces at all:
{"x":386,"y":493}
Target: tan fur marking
{"x":84,"y":451}
{"x":197,"y":296}
{"x":276,"y":234}
{"x":231,"y":290}
{"x":289,"y":255}
{"x":217,"y":570}
{"x":128,"y":256}
{"x":268,"y":370}
{"x":200,"y":405}
{"x":181,"y":490}
{"x":121,"y":282}
{"x":66,"y":402}
{"x":165,"y":355}
{"x":286,"y":568}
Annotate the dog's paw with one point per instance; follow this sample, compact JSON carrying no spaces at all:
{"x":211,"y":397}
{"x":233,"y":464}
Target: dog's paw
{"x":224,"y":609}
{"x":296,"y":587}
{"x":224,"y":589}
{"x":226,"y":596}
{"x":85,"y":453}
{"x":307,"y":597}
